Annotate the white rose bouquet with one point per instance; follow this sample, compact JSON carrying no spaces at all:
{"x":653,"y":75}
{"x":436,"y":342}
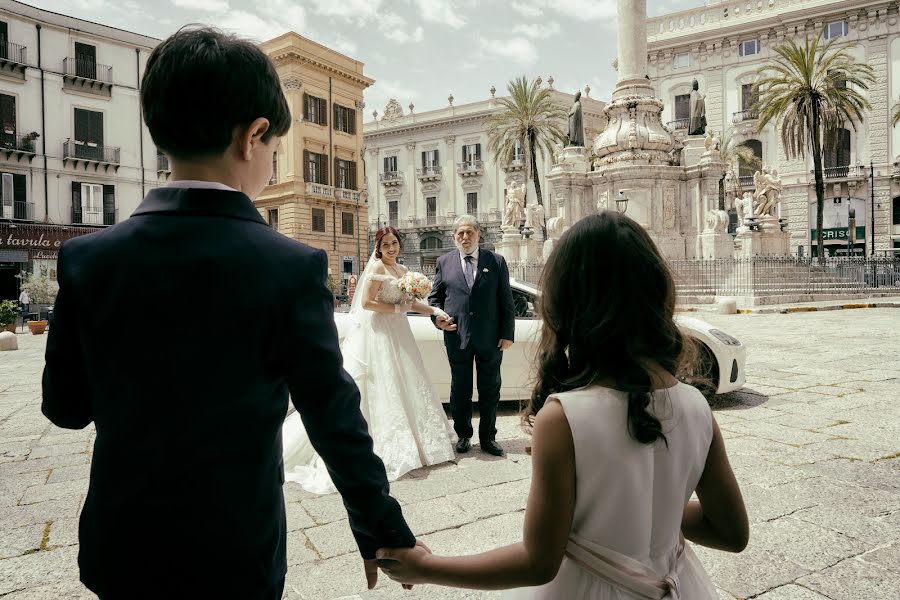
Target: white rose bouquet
{"x":415,"y":286}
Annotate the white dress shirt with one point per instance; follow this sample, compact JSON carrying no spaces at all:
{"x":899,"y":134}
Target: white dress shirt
{"x":462,"y":261}
{"x":197,"y":184}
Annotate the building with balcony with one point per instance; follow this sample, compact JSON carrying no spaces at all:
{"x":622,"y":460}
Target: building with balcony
{"x":74,"y":153}
{"x":425,"y":169}
{"x":316,"y":192}
{"x":723,"y":45}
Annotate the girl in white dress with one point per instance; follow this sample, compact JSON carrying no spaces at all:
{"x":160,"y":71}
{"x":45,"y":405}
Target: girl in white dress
{"x":404,"y":413}
{"x":619,"y":444}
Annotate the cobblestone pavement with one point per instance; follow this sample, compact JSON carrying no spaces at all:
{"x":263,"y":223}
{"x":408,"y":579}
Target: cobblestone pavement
{"x":814,"y":438}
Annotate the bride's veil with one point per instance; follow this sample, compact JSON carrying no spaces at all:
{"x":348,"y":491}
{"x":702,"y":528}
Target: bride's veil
{"x":355,"y":343}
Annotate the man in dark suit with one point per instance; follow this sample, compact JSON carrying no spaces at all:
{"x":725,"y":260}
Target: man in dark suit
{"x":185,"y":497}
{"x":472,"y":286}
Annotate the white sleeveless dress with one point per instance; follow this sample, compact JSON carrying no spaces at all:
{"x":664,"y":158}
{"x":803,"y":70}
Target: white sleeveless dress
{"x":403,"y":410}
{"x":626,"y":539}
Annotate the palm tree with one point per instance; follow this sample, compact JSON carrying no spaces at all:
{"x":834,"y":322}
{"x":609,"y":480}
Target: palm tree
{"x":812,"y":92}
{"x":895,"y":116}
{"x":734,"y":154}
{"x":531,"y":121}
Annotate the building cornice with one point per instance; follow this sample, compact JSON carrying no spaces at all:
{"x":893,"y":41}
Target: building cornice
{"x":771,"y":20}
{"x":292,"y":57}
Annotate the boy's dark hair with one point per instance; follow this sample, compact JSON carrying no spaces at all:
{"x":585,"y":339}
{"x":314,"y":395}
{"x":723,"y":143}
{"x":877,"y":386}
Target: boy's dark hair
{"x":200,"y":84}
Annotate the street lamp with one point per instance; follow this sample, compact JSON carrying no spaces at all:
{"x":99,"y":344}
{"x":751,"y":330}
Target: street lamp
{"x":851,"y":229}
{"x":622,"y":202}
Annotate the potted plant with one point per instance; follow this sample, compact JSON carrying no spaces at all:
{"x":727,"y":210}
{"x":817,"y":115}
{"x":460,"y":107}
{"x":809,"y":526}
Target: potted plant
{"x":9,"y":310}
{"x":28,"y":141}
{"x":42,"y":290}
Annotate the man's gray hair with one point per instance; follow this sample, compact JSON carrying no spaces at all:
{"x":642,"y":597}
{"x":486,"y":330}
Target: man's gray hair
{"x":466,"y":220}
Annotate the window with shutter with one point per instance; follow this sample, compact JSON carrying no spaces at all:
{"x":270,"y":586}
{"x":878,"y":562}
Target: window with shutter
{"x":109,"y":205}
{"x":91,"y":212}
{"x":76,"y":202}
{"x":683,"y":107}
{"x":8,"y":118}
{"x":88,"y":134}
{"x":393,"y":212}
{"x":318,"y":219}
{"x":351,"y":113}
{"x":4,"y":39}
{"x":6,"y":195}
{"x":85,"y":60}
{"x":273,"y":218}
{"x":472,"y":203}
{"x":20,"y":198}
{"x":353,"y":185}
{"x":347,"y":223}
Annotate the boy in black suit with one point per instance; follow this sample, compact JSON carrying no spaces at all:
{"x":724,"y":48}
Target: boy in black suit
{"x":185,"y":497}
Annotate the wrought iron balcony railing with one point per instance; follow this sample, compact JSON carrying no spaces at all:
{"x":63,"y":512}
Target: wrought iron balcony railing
{"x":83,"y":68}
{"x":91,"y":153}
{"x":94,"y":216}
{"x":13,"y":54}
{"x":18,"y":210}
{"x":12,"y":143}
{"x":162,"y":164}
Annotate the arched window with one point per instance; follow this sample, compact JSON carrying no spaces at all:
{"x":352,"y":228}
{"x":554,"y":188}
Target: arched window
{"x":837,"y":154}
{"x":431,"y":243}
{"x":745,"y":172}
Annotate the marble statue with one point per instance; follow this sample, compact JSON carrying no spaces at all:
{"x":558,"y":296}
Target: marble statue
{"x":576,"y":123}
{"x":697,"y":123}
{"x":536,"y":217}
{"x":768,"y":191}
{"x":558,"y":153}
{"x":744,"y":207}
{"x":515,"y":195}
{"x":711,"y":142}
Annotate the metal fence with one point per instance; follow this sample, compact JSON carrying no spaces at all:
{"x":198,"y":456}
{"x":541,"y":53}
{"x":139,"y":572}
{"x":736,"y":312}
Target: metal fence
{"x":763,"y":276}
{"x":785,"y":276}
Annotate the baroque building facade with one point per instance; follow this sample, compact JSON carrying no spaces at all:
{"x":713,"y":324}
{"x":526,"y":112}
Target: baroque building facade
{"x":425,"y":169}
{"x":316,"y":194}
{"x":723,"y":45}
{"x":75,"y":155}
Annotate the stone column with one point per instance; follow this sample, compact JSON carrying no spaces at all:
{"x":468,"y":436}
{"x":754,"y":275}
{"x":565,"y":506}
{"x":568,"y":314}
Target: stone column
{"x":632,"y":49}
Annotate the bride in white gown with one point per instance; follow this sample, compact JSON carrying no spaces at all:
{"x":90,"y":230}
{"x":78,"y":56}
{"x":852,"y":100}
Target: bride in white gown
{"x":399,"y":402}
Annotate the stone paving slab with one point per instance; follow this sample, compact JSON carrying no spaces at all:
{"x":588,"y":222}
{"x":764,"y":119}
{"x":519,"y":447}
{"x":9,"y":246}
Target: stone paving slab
{"x":814,"y":438}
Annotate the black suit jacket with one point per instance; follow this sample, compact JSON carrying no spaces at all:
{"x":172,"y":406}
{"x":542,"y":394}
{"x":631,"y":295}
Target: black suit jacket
{"x":485,"y":314}
{"x":179,"y":333}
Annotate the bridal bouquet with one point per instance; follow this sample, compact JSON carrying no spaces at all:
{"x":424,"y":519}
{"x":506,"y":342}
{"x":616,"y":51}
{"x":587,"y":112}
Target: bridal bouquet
{"x":415,"y":285}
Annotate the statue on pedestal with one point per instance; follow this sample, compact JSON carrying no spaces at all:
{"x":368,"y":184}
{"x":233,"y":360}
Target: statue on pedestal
{"x":697,"y":123}
{"x":515,"y":202}
{"x":576,"y":123}
{"x":768,"y":191}
{"x":744,"y":207}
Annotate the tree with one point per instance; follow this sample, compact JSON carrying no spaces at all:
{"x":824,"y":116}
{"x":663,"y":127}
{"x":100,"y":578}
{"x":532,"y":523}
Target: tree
{"x":895,"y":116}
{"x":734,"y":154}
{"x":813,"y":91}
{"x":531,"y":120}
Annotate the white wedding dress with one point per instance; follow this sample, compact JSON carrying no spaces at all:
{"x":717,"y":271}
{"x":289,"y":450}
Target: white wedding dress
{"x":404,"y":413}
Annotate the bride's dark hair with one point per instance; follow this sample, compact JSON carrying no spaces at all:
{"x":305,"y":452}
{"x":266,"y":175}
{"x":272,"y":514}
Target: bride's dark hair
{"x":608,"y":302}
{"x":383,"y":232}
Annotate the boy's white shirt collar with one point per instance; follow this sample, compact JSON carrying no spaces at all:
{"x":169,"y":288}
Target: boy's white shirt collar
{"x":197,"y":184}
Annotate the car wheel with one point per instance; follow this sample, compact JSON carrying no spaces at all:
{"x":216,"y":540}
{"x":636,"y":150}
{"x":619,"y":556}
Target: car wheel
{"x":705,"y":374}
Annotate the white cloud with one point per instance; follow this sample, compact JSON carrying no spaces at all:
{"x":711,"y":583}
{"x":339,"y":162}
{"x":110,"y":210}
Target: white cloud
{"x":538,"y":30}
{"x":250,"y":25}
{"x":342,"y":45}
{"x":358,"y":11}
{"x":576,"y":9}
{"x":517,"y":49}
{"x":444,"y":12}
{"x":527,"y":9}
{"x":402,"y":36}
{"x":207,"y":5}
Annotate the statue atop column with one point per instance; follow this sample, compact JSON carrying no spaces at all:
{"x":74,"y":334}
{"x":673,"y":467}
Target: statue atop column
{"x":697,"y":123}
{"x":515,"y":196}
{"x":576,"y":123}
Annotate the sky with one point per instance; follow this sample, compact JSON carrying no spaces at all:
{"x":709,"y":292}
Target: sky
{"x":418,"y":51}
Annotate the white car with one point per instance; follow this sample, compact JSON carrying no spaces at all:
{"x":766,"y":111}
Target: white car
{"x":722,"y":356}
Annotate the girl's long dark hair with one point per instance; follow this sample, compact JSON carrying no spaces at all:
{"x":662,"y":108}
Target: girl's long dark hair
{"x":608,"y":302}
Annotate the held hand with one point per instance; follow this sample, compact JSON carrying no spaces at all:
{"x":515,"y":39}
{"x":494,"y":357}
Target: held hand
{"x":446,"y":324}
{"x":439,"y":313}
{"x":504,"y":344}
{"x":405,"y":565}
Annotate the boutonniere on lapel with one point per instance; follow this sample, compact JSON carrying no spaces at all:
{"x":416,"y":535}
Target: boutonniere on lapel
{"x":485,"y":270}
